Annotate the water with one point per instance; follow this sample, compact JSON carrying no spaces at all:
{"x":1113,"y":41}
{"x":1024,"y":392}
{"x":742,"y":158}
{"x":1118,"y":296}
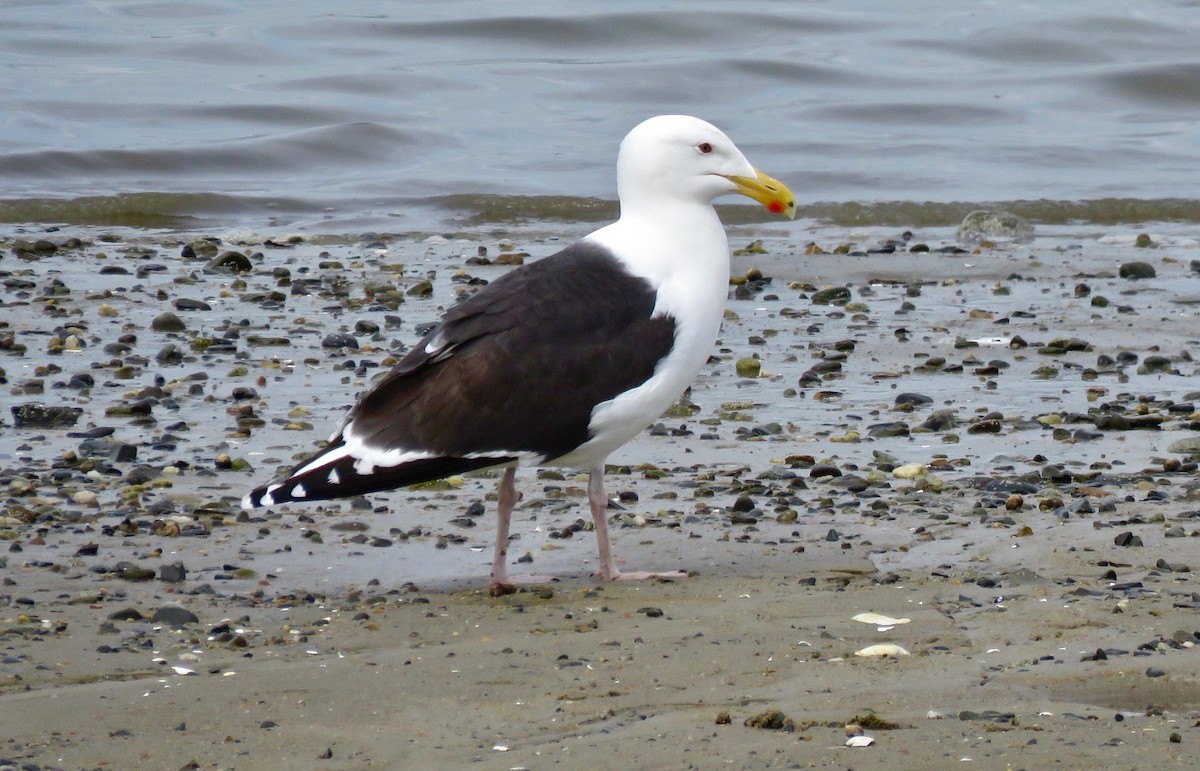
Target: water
{"x":415,"y":116}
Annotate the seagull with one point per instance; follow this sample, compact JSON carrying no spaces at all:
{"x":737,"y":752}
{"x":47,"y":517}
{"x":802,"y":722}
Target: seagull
{"x":563,"y":360}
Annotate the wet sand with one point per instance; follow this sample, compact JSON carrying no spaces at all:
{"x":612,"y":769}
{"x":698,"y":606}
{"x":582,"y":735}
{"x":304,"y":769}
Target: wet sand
{"x":1033,"y":516}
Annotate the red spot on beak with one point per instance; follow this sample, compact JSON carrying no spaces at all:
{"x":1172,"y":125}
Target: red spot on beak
{"x":775,"y":207}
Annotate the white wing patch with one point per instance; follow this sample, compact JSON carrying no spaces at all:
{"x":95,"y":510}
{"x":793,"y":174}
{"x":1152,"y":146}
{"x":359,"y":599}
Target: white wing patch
{"x":365,"y":459}
{"x":435,"y":344}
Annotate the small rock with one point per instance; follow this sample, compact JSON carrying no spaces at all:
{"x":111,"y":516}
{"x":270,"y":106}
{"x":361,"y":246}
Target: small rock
{"x":229,"y":262}
{"x":168,"y":322}
{"x":748,"y":367}
{"x":824,"y":470}
{"x":1189,"y":446}
{"x":835,"y":295}
{"x":172,"y":573}
{"x":910,"y":471}
{"x":984,"y":225}
{"x":175,"y":616}
{"x":340,"y":340}
{"x":1127,"y":539}
{"x":188,"y":304}
{"x":131,"y":572}
{"x":126,"y":614}
{"x":1137,"y":270}
{"x":37,"y":415}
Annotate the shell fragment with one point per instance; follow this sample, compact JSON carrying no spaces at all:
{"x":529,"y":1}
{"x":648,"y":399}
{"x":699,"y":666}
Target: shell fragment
{"x":882,"y":649}
{"x":879,"y":620}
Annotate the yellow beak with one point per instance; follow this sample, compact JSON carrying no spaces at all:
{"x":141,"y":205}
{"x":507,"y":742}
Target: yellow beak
{"x":768,"y":191}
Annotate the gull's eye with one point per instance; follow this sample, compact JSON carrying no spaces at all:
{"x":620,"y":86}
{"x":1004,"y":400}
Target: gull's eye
{"x":704,"y":147}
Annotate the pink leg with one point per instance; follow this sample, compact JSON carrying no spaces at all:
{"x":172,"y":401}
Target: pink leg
{"x":506,"y":499}
{"x":608,"y":570}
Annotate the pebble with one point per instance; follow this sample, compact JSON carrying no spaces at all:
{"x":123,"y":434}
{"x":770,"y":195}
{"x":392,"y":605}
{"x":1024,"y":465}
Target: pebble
{"x":1127,"y":539}
{"x":1137,"y":270}
{"x":172,"y":573}
{"x":131,"y":572}
{"x":189,"y":304}
{"x":175,"y":616}
{"x":1186,"y":446}
{"x":910,"y":471}
{"x":38,"y":415}
{"x":340,"y":340}
{"x":229,"y":262}
{"x":748,"y":366}
{"x":985,"y":224}
{"x":837,"y":295}
{"x":167,"y":322}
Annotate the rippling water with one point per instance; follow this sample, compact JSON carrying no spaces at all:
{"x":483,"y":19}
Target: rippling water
{"x":421,"y":115}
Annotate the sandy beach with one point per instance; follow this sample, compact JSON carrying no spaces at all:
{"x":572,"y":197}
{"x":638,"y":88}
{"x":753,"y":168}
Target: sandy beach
{"x":991,"y":447}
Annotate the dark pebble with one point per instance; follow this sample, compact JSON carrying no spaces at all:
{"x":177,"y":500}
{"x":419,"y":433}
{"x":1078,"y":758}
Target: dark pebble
{"x":824,"y":470}
{"x":914,"y":399}
{"x":37,"y":415}
{"x":131,"y":572}
{"x":1155,"y":363}
{"x":167,"y":322}
{"x":1137,"y":270}
{"x":172,"y":573}
{"x":188,"y":304}
{"x":80,"y":381}
{"x":942,"y":420}
{"x":229,"y":262}
{"x":836,"y":295}
{"x":175,"y":616}
{"x":126,"y":614}
{"x":1127,"y":539}
{"x":340,"y":340}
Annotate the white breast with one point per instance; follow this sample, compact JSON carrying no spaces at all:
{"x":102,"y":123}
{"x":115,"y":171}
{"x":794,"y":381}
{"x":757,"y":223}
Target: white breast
{"x":690,"y":268}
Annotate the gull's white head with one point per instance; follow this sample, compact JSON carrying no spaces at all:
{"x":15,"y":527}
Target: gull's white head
{"x":678,"y":157}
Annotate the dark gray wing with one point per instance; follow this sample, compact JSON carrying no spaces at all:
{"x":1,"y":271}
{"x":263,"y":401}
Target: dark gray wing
{"x":515,"y":369}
